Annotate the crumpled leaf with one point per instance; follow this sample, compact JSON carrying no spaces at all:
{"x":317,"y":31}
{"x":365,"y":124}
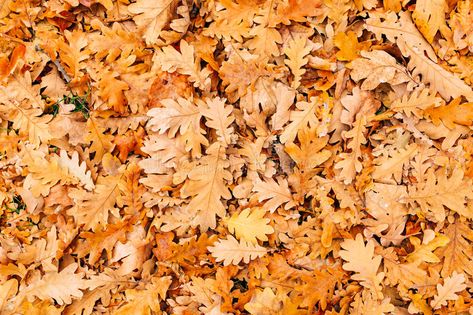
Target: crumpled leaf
{"x":377,"y":67}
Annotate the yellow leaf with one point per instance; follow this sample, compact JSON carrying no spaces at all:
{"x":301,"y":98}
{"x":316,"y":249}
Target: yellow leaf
{"x":349,"y":46}
{"x":250,"y":226}
{"x":451,"y":114}
{"x":429,"y":16}
{"x":424,"y":252}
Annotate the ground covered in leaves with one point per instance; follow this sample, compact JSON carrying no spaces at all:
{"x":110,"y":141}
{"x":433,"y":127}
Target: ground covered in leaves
{"x":236,"y":157}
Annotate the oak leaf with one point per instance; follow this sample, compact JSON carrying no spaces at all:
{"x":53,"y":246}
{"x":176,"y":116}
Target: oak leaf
{"x":131,"y":191}
{"x":63,"y":287}
{"x":146,"y":300}
{"x":429,"y":16}
{"x":441,"y":192}
{"x":232,"y":252}
{"x":266,"y":302}
{"x":45,"y":174}
{"x":367,"y":303}
{"x":111,"y":90}
{"x":425,"y":251}
{"x":349,"y":46}
{"x":303,"y":117}
{"x":361,"y":259}
{"x":265,"y":40}
{"x":377,"y":67}
{"x":359,"y":103}
{"x":28,"y":121}
{"x":184,"y":62}
{"x":53,"y":85}
{"x":219,"y":117}
{"x":416,"y":102}
{"x":92,"y":209}
{"x":295,"y":10}
{"x":73,"y":52}
{"x":456,"y":254}
{"x":76,"y":169}
{"x":388,"y":216}
{"x":206,"y":186}
{"x":406,"y":275}
{"x":174,"y":116}
{"x":296,"y":51}
{"x":100,"y":143}
{"x":451,"y":114}
{"x":87,"y":303}
{"x":350,"y":162}
{"x":95,"y":243}
{"x":7,"y":290}
{"x":310,"y":153}
{"x":285,"y":98}
{"x":238,"y":74}
{"x":319,"y":286}
{"x":278,"y":193}
{"x":391,"y":163}
{"x":410,"y":41}
{"x":152,"y":16}
{"x":448,"y":290}
{"x":250,"y":225}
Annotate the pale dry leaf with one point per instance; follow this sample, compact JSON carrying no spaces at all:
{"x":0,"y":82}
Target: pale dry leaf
{"x":350,"y":163}
{"x":92,"y":209}
{"x":296,"y":52}
{"x":429,"y":16}
{"x":152,"y":16}
{"x":7,"y":290}
{"x":393,"y":165}
{"x":423,"y":58}
{"x":276,"y":193}
{"x":184,"y":62}
{"x":63,"y":287}
{"x":146,"y":300}
{"x":448,"y":290}
{"x":219,"y":117}
{"x":264,"y":302}
{"x":416,"y":102}
{"x":441,"y":192}
{"x":76,"y":169}
{"x":377,"y":67}
{"x":207,"y":187}
{"x":304,"y":116}
{"x":361,"y":259}
{"x":232,"y":252}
